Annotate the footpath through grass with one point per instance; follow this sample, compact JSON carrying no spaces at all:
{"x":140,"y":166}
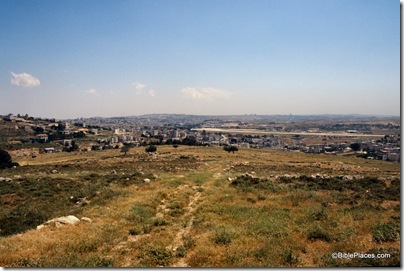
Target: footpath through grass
{"x":200,"y":207}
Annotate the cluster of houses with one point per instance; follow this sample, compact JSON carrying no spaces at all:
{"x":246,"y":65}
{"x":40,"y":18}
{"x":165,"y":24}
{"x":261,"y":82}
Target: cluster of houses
{"x":239,"y":140}
{"x":98,"y":138}
{"x":372,"y":149}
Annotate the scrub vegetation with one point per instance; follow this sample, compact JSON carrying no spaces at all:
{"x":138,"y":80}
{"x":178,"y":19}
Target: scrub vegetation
{"x":199,"y":207}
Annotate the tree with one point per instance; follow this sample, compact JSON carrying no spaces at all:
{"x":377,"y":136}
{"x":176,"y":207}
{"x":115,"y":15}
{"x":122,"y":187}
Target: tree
{"x":189,"y":141}
{"x":230,"y":148}
{"x":355,"y":146}
{"x":80,"y":134}
{"x":39,"y":130}
{"x":125,"y":148}
{"x":151,"y":148}
{"x":61,"y":127}
{"x":75,"y":147}
{"x":5,"y":160}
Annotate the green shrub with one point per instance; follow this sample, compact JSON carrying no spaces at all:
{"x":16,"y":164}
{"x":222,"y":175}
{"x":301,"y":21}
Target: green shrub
{"x":22,"y":218}
{"x":175,"y":208}
{"x":223,"y":237}
{"x":188,"y":242}
{"x":141,"y":213}
{"x":180,"y":252}
{"x":157,"y":255}
{"x":135,"y":231}
{"x":261,"y":197}
{"x":160,"y":222}
{"x":248,"y":183}
{"x":200,"y":181}
{"x":386,"y":232}
{"x":319,"y":214}
{"x":290,"y":258}
{"x":147,"y":228}
{"x":318,"y":233}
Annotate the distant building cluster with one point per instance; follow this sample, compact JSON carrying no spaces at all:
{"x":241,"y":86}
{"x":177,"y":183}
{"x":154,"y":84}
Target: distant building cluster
{"x":106,"y":133}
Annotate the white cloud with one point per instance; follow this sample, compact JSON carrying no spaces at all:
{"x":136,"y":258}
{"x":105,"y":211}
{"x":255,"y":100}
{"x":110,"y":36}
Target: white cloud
{"x":24,"y":80}
{"x":141,"y":90}
{"x":206,"y":93}
{"x":92,"y":91}
{"x":139,"y":87}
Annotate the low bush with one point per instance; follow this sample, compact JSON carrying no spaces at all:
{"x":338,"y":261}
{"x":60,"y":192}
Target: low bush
{"x":157,"y":255}
{"x":318,"y":214}
{"x":223,"y":237}
{"x":248,"y":183}
{"x":135,"y":231}
{"x":318,"y":233}
{"x":386,"y":232}
{"x":175,"y":208}
{"x":141,"y":213}
{"x":160,"y":222}
{"x":290,"y":258}
{"x":180,"y":252}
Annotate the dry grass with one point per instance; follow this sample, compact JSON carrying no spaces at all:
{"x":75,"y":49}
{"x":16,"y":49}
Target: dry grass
{"x":190,"y":215}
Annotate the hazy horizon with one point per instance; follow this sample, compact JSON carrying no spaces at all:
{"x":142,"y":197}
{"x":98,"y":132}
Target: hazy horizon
{"x":70,"y":59}
{"x":221,"y":115}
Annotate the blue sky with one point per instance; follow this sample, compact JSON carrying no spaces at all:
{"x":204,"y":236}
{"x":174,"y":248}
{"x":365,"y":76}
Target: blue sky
{"x":83,"y":58}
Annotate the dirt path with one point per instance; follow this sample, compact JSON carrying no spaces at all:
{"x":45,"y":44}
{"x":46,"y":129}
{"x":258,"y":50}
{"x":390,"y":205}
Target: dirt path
{"x":182,"y":230}
{"x":179,"y":237}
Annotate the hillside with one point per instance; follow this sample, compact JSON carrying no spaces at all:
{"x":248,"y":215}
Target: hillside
{"x":199,"y":207}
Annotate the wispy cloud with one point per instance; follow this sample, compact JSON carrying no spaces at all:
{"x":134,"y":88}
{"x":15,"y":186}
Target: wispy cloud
{"x":206,"y":93}
{"x":139,"y":87}
{"x":92,"y":91}
{"x":24,"y":80}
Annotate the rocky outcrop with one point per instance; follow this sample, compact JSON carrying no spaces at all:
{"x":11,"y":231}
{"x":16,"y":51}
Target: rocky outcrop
{"x":63,"y":221}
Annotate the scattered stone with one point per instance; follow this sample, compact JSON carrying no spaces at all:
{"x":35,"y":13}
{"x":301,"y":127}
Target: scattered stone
{"x":248,"y":175}
{"x":40,"y":227}
{"x":54,"y":171}
{"x":60,"y":221}
{"x":8,"y":180}
{"x":113,"y":171}
{"x":147,"y":180}
{"x":82,"y":202}
{"x":86,"y":219}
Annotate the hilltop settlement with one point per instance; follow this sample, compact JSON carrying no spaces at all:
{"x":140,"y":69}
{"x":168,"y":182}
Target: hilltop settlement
{"x":348,"y":135}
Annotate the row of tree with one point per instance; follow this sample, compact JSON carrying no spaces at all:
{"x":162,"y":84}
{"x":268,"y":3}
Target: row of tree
{"x":153,"y":148}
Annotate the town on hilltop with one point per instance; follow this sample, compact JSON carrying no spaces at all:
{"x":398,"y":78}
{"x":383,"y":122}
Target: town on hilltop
{"x":369,"y":137}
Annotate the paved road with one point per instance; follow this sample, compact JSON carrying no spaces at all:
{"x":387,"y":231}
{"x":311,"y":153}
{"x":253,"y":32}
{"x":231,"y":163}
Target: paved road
{"x":253,"y":131}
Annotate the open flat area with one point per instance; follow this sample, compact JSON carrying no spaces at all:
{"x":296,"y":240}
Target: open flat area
{"x":199,"y":207}
{"x":258,"y":132}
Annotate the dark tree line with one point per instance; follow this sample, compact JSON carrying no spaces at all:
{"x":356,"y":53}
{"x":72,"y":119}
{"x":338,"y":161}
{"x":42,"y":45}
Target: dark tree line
{"x":5,"y":160}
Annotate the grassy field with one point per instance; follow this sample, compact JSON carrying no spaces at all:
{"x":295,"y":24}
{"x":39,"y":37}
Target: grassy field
{"x":200,"y":207}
